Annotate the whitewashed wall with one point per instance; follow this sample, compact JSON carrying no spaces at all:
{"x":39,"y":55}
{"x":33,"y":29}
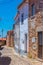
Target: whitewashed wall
{"x":24,"y":27}
{"x":16,"y":35}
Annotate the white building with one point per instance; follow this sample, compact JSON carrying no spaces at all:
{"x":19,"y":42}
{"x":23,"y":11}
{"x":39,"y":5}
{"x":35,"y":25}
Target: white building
{"x":23,"y":33}
{"x":17,"y":33}
{"x":24,"y":41}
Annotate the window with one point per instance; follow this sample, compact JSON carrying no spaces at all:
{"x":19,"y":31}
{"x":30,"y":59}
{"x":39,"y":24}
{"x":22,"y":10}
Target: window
{"x":33,"y":9}
{"x":22,"y":18}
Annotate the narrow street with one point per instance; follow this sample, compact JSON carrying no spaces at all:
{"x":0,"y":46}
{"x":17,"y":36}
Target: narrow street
{"x":7,"y":57}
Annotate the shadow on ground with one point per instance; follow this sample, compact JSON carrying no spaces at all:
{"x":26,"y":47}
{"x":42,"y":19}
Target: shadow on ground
{"x":5,"y":60}
{"x":1,"y":48}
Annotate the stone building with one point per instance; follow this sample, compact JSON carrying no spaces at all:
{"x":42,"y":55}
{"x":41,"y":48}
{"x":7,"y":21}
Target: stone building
{"x":36,"y":35}
{"x":36,"y":28}
{"x":10,"y":39}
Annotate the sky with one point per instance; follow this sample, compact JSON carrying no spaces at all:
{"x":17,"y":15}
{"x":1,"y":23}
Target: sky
{"x":8,"y":10}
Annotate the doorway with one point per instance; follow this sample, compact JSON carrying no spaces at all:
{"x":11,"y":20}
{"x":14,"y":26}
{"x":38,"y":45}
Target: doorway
{"x":40,"y":45}
{"x":25,"y":43}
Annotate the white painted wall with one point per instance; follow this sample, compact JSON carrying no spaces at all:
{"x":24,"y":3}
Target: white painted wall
{"x":24,"y":27}
{"x":20,"y":32}
{"x":16,"y":35}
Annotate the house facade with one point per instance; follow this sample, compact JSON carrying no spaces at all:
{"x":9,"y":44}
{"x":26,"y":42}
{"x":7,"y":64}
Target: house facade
{"x":36,"y":29}
{"x":23,"y":16}
{"x":21,"y":29}
{"x":36,"y":35}
{"x":31,"y":28}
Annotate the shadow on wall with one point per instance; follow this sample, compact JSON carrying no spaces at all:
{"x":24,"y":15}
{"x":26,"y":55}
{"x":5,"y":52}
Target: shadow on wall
{"x":4,"y":60}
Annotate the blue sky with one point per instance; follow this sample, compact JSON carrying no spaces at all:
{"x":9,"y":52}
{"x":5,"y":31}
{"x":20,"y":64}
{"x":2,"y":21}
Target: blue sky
{"x":8,"y":10}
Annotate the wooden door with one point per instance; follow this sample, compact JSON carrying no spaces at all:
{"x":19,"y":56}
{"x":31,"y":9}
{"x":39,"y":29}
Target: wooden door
{"x":40,"y":45}
{"x":26,"y":43}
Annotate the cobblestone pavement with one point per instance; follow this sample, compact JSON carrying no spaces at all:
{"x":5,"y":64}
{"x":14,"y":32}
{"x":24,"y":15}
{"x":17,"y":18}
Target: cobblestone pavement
{"x":7,"y":57}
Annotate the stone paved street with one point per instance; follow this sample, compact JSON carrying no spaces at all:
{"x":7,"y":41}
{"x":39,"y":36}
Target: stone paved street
{"x":7,"y":57}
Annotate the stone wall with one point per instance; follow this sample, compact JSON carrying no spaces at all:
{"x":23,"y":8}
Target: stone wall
{"x":38,"y":6}
{"x":35,"y":26}
{"x":10,"y":39}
